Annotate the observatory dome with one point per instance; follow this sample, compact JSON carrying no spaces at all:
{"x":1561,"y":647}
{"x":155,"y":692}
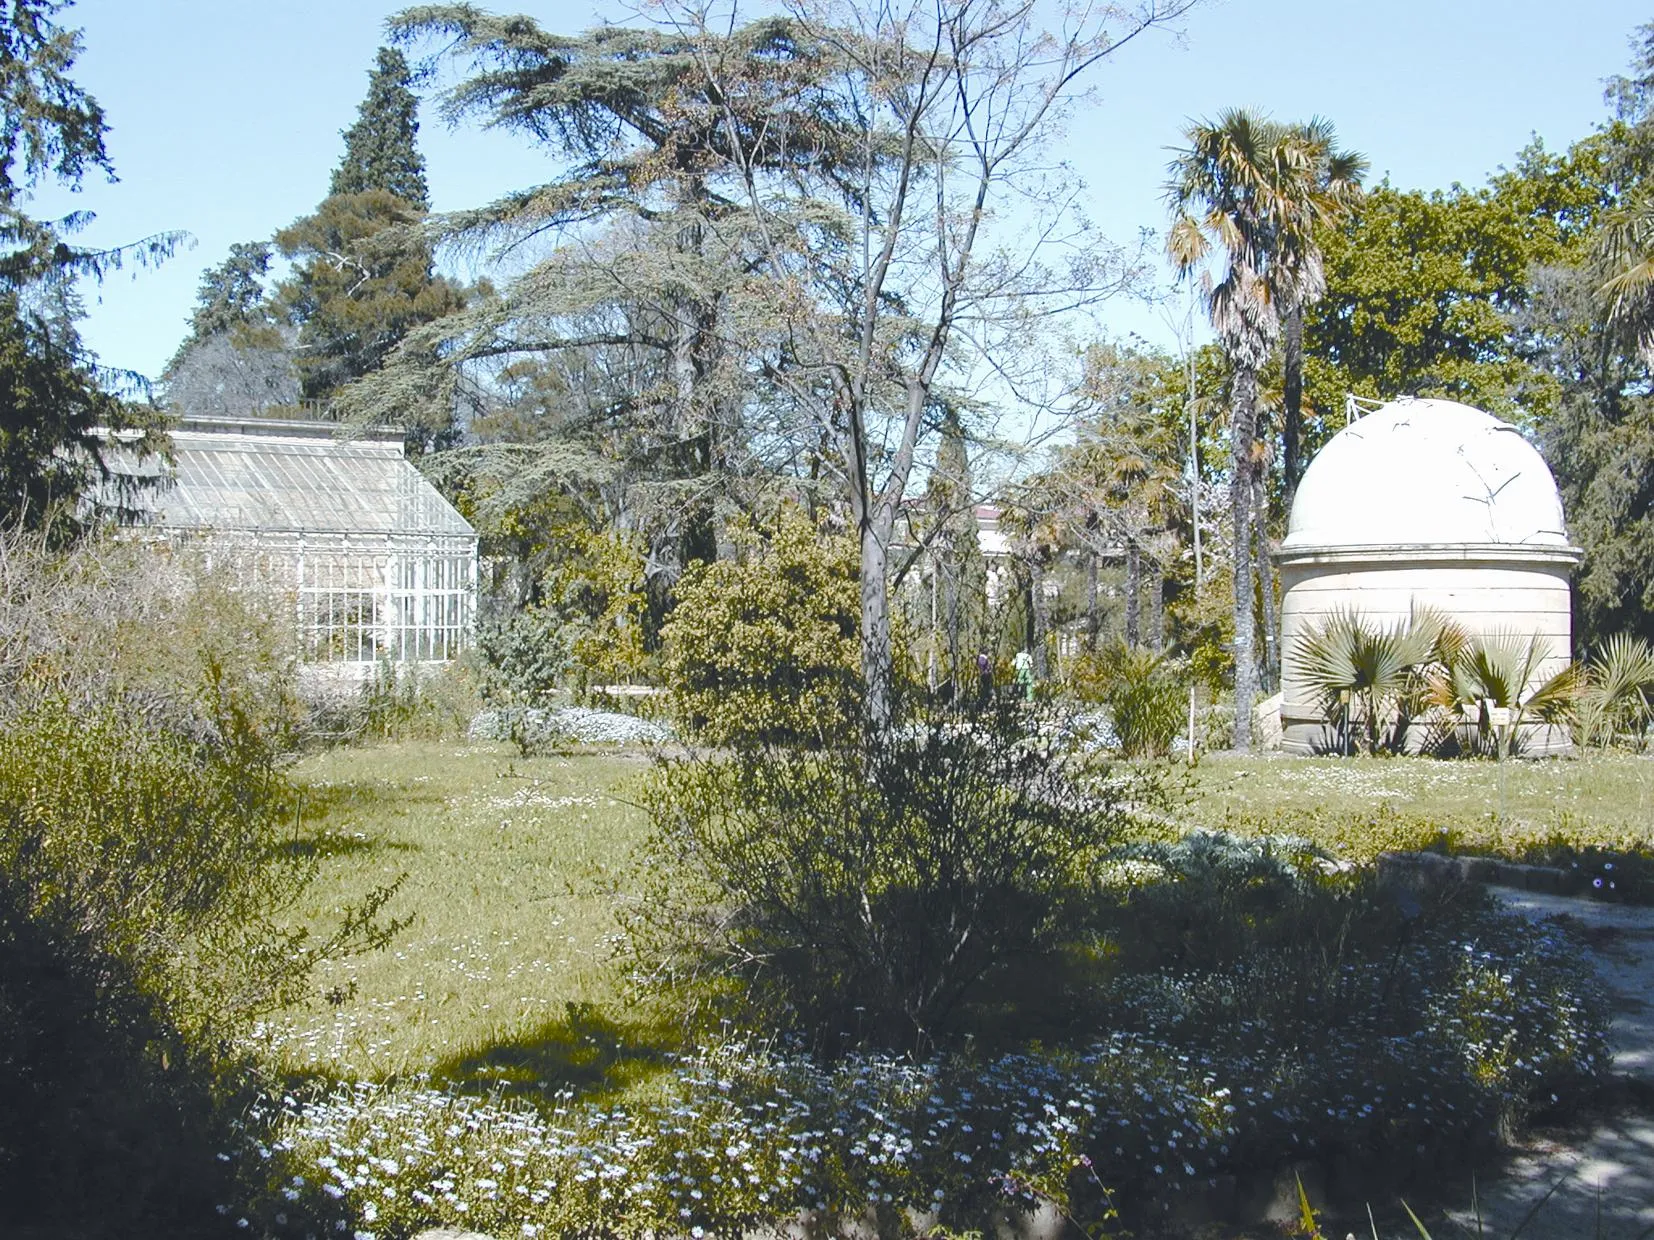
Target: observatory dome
{"x":1423,"y":504}
{"x":1423,"y":473}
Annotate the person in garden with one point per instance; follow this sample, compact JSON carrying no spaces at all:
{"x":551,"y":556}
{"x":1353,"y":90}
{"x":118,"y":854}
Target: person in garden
{"x":1024,"y":665}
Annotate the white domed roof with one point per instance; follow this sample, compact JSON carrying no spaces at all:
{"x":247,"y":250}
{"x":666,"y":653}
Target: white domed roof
{"x":1426,"y":473}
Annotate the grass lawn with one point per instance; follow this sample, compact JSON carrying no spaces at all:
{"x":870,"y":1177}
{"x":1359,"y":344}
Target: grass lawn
{"x":504,"y":985}
{"x":1360,"y":806}
{"x":504,"y":861}
{"x":505,"y":975}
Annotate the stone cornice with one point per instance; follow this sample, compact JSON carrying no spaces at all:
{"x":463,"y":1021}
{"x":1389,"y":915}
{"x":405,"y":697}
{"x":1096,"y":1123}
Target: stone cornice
{"x":1389,"y":554}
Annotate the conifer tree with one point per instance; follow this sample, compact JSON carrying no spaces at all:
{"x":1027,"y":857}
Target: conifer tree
{"x":381,"y":148}
{"x":961,"y":570}
{"x":237,"y":359}
{"x":364,"y":274}
{"x":815,"y":234}
{"x":53,"y":404}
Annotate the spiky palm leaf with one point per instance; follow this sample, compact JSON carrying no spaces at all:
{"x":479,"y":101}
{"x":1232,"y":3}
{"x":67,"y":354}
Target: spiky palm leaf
{"x":1614,"y":700}
{"x":1624,"y":258}
{"x":1497,"y":669}
{"x":1374,"y":665}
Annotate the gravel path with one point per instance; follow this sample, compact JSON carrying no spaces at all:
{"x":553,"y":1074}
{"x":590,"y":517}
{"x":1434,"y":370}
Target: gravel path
{"x":1606,"y":1166}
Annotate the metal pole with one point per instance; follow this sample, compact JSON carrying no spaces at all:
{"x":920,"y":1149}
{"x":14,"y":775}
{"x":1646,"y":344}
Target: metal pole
{"x":1191,"y":725}
{"x":1194,"y":453}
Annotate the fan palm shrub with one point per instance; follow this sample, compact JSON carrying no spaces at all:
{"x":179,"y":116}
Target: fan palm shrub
{"x":1368,"y":677}
{"x":1614,"y":698}
{"x":1493,"y":672}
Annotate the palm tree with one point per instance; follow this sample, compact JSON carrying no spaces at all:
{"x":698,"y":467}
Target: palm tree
{"x":1298,"y":275}
{"x":1242,"y":185}
{"x":1624,"y":261}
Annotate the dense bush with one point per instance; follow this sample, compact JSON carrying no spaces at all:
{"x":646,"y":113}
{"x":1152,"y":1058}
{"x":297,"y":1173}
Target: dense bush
{"x":151,"y":628}
{"x":394,"y":702}
{"x":763,"y":649}
{"x":524,"y":657}
{"x":1146,"y":693}
{"x":144,"y":861}
{"x":866,"y":890}
{"x":592,"y":621}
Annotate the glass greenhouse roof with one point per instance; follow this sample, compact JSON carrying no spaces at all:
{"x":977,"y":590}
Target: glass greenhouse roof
{"x":269,"y":476}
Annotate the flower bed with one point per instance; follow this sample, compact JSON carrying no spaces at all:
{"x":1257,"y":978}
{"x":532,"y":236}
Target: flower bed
{"x":1197,"y":1083}
{"x":569,"y":724}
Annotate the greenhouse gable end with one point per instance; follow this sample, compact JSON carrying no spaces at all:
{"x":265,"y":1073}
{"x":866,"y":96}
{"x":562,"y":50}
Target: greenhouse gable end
{"x":376,"y":563}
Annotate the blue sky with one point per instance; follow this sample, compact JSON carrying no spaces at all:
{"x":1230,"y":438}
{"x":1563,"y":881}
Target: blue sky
{"x":225,"y":114}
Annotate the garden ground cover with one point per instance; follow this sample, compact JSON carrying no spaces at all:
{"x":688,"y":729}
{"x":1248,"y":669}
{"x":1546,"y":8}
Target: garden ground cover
{"x":503,"y":983}
{"x":506,"y":860}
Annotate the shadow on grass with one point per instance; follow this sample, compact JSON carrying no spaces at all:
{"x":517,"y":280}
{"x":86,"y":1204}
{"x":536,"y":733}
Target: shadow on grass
{"x":585,"y":1051}
{"x":325,"y":844}
{"x":322,"y":817}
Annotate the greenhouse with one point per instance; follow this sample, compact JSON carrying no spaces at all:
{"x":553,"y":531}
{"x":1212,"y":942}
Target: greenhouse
{"x":376,"y":564}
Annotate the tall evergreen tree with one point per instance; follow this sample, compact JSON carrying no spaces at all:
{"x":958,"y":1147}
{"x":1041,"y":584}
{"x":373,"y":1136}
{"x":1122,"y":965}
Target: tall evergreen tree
{"x":363,"y":271}
{"x":381,"y":148}
{"x":831,"y":181}
{"x":956,"y":555}
{"x":53,"y":404}
{"x":231,"y":300}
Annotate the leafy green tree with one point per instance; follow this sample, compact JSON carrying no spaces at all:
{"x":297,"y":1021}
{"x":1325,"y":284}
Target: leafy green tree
{"x":1583,"y":325}
{"x":1124,"y":476}
{"x":232,"y":294}
{"x":52,"y":413}
{"x":1422,"y":287}
{"x":635,"y":324}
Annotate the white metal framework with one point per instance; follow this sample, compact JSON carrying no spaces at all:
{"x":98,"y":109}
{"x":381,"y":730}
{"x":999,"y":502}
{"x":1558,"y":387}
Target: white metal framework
{"x":376,"y":564}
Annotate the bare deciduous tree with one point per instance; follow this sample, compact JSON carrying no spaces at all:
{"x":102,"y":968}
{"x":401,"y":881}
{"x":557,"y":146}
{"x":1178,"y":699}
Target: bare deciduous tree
{"x":221,"y":377}
{"x":954,"y":234}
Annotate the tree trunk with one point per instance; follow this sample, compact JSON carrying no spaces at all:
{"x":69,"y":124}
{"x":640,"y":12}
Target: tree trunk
{"x":1242,"y":431}
{"x":1157,"y":609}
{"x":1292,"y":402}
{"x":877,"y":660}
{"x":1134,"y":590}
{"x":1266,"y":586}
{"x":1039,"y":616}
{"x":1093,"y":614}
